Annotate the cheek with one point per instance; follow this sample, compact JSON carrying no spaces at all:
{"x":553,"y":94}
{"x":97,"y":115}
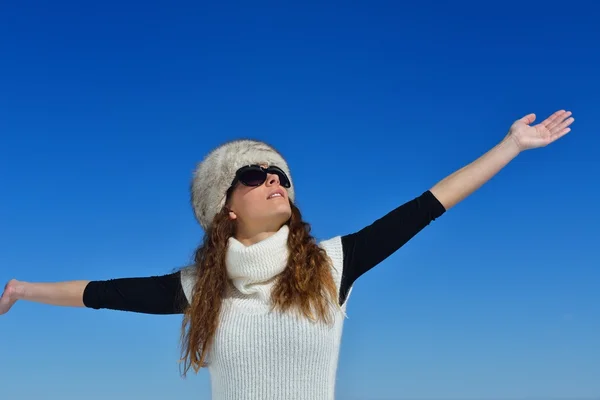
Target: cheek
{"x":245,"y":200}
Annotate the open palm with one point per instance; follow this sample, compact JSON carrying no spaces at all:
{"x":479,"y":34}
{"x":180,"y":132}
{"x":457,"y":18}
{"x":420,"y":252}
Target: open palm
{"x":551,"y":129}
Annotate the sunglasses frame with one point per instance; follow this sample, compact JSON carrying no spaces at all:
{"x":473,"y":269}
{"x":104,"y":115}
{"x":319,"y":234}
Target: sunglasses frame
{"x":266,"y":171}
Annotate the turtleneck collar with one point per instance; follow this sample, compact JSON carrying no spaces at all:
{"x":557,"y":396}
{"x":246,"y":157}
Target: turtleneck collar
{"x":252,"y":268}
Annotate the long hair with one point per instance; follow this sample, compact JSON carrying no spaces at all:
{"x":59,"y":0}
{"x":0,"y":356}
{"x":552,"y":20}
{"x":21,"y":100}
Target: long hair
{"x":306,"y":285}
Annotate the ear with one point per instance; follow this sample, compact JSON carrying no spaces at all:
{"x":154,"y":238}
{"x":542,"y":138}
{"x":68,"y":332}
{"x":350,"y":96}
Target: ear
{"x":232,"y":215}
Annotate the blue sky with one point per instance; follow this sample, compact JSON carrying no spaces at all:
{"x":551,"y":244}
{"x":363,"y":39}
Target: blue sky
{"x":106,"y":107}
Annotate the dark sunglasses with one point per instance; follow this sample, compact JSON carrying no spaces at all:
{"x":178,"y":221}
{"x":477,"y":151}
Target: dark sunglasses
{"x":255,"y":175}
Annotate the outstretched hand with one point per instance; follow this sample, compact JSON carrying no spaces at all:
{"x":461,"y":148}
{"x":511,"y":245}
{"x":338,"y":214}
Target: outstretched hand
{"x":551,"y":129}
{"x":9,"y":296}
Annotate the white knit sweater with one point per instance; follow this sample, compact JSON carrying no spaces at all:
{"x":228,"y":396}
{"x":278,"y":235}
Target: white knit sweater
{"x":262,"y":355}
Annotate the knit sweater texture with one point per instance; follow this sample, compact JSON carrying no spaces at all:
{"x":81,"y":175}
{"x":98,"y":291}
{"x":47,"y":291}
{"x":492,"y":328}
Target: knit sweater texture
{"x":262,"y":354}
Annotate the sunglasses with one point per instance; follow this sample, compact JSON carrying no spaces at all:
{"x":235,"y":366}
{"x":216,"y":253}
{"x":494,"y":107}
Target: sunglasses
{"x":255,"y":175}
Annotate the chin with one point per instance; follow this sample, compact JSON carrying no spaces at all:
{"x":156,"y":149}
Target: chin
{"x":282,"y":214}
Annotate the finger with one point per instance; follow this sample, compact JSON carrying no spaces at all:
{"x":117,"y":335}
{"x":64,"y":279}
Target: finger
{"x":560,"y":134}
{"x":528,"y":119}
{"x":560,"y":127}
{"x":552,"y":117}
{"x":558,"y":121}
{"x":559,"y":124}
{"x":555,"y":118}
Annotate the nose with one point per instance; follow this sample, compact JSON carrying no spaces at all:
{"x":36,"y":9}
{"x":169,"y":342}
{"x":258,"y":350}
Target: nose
{"x":272,"y":179}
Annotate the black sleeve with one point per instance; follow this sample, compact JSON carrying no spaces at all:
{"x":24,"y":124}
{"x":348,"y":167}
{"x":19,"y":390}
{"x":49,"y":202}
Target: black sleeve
{"x":371,"y":245}
{"x":148,"y":295}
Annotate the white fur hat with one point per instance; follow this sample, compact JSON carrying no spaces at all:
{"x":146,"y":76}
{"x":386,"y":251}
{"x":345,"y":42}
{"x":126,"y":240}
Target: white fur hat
{"x":213,"y":176}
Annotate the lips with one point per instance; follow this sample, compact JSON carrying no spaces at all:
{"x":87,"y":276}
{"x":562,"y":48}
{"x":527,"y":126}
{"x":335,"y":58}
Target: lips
{"x":275,"y":194}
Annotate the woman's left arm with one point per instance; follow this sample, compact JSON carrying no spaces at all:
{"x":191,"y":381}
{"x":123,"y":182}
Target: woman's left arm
{"x":371,"y":245}
{"x":462,"y":183}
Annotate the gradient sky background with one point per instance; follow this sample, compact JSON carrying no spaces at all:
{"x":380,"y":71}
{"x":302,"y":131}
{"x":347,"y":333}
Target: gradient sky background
{"x":106,"y":107}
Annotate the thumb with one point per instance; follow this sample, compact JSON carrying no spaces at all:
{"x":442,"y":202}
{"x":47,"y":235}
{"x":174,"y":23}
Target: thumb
{"x":528,"y":119}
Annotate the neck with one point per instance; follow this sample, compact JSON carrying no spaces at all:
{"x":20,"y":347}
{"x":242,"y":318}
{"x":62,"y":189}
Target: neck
{"x":249,"y":237}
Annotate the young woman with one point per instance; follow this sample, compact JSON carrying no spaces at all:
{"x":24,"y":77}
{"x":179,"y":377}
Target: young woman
{"x":263,"y":304}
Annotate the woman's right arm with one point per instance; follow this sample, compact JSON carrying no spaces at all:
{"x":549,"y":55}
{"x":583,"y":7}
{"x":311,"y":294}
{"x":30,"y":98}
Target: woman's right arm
{"x":148,"y":295}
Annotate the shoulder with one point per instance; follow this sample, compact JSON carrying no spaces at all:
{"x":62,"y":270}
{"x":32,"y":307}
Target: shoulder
{"x":188,"y":281}
{"x":335,"y":250}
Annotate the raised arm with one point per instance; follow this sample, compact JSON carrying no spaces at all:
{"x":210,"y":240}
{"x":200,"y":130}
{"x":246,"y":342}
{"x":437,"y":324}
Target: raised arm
{"x":521,"y":136}
{"x":149,"y":295}
{"x":366,"y":248}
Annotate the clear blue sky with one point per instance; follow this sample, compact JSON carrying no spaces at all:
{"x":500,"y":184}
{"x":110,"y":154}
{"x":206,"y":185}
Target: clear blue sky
{"x":106,"y":107}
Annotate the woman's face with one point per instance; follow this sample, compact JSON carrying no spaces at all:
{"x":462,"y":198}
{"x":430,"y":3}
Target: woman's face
{"x":259,"y":209}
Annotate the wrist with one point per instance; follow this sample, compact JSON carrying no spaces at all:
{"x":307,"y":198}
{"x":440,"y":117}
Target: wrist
{"x":18,"y":289}
{"x":510,"y":145}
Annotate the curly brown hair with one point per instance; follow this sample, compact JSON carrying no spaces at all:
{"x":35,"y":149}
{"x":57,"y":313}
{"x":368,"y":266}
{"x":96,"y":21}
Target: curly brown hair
{"x":306,"y":285}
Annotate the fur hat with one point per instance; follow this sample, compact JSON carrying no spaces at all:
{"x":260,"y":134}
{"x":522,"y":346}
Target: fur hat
{"x":213,"y":176}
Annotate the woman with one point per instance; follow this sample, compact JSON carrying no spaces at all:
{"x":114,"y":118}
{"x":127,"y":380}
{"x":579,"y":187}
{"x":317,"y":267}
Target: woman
{"x":263,"y":304}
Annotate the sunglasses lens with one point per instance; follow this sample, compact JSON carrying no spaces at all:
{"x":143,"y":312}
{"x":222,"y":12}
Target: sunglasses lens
{"x":253,"y":177}
{"x":256,"y":176}
{"x":283,"y":179}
